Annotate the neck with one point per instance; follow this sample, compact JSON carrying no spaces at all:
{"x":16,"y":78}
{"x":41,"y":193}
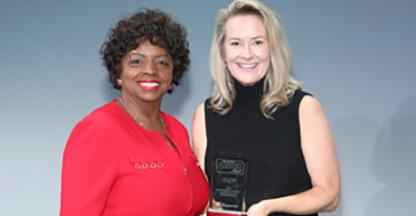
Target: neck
{"x":148,"y":110}
{"x":145,"y":114}
{"x":248,"y":95}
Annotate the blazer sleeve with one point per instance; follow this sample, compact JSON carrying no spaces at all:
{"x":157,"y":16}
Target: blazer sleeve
{"x":89,"y":169}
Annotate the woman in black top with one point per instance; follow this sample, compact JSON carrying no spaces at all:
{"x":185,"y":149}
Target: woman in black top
{"x":259,"y":111}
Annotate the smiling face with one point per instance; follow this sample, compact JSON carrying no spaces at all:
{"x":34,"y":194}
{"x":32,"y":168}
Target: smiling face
{"x":247,"y":51}
{"x":146,"y":73}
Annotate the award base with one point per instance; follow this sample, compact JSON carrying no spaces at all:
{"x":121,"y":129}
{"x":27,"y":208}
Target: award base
{"x":212,"y":212}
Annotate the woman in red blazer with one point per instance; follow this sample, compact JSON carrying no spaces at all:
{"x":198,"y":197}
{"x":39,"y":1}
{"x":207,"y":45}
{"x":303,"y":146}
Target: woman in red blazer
{"x":128,"y":157}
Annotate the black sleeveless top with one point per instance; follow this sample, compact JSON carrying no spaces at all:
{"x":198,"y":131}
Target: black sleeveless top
{"x":276,"y":166}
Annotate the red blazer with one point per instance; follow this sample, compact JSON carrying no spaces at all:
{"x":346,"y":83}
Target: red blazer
{"x":112,"y":166}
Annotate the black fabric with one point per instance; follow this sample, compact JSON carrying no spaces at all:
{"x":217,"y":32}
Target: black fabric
{"x":272,"y":147}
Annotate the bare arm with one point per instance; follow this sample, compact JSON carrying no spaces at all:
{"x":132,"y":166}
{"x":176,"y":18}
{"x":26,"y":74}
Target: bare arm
{"x":199,"y":137}
{"x":320,"y":156}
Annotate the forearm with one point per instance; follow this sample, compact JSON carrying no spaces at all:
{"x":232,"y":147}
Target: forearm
{"x":316,"y":199}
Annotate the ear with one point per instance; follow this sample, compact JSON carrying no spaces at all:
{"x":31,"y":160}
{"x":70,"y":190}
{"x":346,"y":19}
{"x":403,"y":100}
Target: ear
{"x":170,"y":88}
{"x":119,"y":82}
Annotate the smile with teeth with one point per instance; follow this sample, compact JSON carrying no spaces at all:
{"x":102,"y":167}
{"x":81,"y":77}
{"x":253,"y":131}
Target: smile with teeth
{"x":247,"y":66}
{"x":149,"y":85}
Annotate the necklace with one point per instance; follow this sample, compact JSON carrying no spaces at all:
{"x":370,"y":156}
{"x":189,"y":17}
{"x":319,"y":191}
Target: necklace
{"x":139,"y":121}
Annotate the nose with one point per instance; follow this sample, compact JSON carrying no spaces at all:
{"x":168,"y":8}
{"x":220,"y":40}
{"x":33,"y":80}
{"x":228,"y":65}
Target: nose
{"x":247,"y":52}
{"x":150,"y":67}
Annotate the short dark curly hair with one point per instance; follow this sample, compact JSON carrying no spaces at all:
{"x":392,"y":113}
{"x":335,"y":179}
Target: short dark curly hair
{"x":146,"y":24}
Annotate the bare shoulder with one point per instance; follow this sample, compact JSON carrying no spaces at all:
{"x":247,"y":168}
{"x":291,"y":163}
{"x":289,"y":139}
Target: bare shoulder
{"x":200,"y":109}
{"x":309,"y":104}
{"x":312,"y":117}
{"x":199,"y":113}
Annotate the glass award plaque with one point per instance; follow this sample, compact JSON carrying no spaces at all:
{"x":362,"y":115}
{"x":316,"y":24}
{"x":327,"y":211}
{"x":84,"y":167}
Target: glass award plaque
{"x":228,"y":181}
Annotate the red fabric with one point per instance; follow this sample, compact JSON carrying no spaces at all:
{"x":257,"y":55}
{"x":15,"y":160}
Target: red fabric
{"x":112,"y":166}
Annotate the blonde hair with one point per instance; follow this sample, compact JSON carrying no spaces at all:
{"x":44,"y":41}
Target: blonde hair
{"x":279,"y":85}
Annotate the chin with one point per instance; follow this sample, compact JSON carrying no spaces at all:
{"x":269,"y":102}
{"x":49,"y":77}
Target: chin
{"x":151,"y":98}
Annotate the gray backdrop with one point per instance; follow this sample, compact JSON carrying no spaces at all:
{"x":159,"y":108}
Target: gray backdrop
{"x":357,"y":57}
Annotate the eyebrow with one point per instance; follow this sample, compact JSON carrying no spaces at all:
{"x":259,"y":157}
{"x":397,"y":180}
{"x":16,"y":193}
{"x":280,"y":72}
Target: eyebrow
{"x":253,"y":38}
{"x":133,"y":53}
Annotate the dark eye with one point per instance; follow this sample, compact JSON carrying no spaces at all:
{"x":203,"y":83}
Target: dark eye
{"x":163,"y":63}
{"x":258,"y":42}
{"x":136,"y":61}
{"x":235,"y":43}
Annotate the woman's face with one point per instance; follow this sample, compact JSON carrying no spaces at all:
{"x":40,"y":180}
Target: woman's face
{"x":246,"y":48}
{"x":146,"y":73}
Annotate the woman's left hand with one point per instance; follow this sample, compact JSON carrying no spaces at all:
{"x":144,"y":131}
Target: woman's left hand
{"x":258,"y":209}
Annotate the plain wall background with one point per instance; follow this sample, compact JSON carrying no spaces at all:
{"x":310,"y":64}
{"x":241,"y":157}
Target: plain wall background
{"x":357,"y":57}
